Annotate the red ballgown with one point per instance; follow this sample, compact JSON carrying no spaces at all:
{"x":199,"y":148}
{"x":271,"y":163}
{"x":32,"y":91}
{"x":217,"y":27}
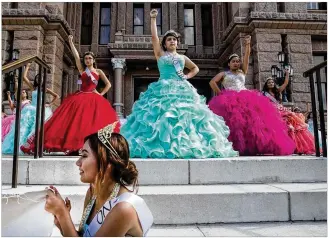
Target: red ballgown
{"x":80,"y":114}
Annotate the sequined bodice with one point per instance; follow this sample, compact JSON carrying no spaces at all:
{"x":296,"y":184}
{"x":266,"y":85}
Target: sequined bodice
{"x":87,"y":84}
{"x":234,"y":82}
{"x":166,"y":67}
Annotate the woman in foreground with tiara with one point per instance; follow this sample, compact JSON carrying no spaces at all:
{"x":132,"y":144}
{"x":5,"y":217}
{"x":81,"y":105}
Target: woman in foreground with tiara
{"x":110,"y":208}
{"x":256,"y":127}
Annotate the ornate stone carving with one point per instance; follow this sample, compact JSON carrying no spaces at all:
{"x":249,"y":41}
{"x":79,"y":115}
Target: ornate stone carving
{"x":118,"y":63}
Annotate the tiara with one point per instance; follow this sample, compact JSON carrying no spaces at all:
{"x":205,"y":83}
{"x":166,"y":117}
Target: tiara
{"x":233,"y":55}
{"x":171,"y":32}
{"x":104,"y":136}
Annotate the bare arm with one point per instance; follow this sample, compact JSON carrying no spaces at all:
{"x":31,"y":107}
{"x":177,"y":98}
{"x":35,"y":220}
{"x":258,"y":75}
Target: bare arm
{"x":25,"y":78}
{"x":55,"y":95}
{"x":286,"y":82}
{"x":119,"y":221}
{"x":191,"y":66}
{"x":307,"y":110}
{"x":105,"y":80}
{"x":247,"y":41}
{"x":214,"y":82}
{"x":11,"y":103}
{"x":154,"y":36}
{"x":76,"y":55}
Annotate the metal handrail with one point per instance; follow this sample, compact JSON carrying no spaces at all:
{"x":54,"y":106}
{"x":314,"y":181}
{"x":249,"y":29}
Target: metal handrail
{"x":310,"y":73}
{"x":22,"y":62}
{"x":43,"y":68}
{"x":317,"y":67}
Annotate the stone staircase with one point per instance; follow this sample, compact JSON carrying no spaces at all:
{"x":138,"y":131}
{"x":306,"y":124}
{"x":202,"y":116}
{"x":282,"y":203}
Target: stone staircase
{"x":235,"y":190}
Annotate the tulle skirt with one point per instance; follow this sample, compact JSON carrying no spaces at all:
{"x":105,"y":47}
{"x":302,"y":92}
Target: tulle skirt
{"x":27,"y":128}
{"x":256,"y":126}
{"x":298,"y":131}
{"x":171,"y":120}
{"x":80,"y":114}
{"x":6,"y":125}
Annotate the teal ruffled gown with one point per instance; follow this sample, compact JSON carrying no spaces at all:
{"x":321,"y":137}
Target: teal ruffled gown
{"x":171,"y":120}
{"x":27,"y":125}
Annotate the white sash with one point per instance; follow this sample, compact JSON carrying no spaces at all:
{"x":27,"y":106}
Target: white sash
{"x":177,"y":66}
{"x":89,"y":74}
{"x":142,"y":210}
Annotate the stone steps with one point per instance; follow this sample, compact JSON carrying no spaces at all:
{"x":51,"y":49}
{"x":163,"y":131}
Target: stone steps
{"x":207,"y":204}
{"x":268,"y":229}
{"x":240,"y":170}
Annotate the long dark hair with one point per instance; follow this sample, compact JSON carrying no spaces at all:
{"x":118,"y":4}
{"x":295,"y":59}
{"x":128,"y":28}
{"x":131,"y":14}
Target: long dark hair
{"x":37,"y":81}
{"x":91,"y":54}
{"x":27,"y":95}
{"x":170,"y":33}
{"x":274,"y":90}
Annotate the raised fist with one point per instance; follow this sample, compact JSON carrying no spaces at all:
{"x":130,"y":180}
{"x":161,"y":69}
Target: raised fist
{"x":153,"y":13}
{"x":70,"y":37}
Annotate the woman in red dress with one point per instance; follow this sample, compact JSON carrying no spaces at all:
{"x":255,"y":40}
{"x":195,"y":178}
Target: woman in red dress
{"x":80,"y":114}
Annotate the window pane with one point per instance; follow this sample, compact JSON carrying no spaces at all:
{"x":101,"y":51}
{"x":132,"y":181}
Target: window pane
{"x":87,"y":14}
{"x":189,"y":35}
{"x":138,"y":16}
{"x":105,"y":16}
{"x":159,"y":16}
{"x":188,"y":17}
{"x":138,"y":30}
{"x":159,"y":30}
{"x":309,"y":5}
{"x":207,"y":27}
{"x":86,"y":35}
{"x":104,"y":35}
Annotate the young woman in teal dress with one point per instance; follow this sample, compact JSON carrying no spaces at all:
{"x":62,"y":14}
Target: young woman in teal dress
{"x":28,"y":116}
{"x":171,"y":120}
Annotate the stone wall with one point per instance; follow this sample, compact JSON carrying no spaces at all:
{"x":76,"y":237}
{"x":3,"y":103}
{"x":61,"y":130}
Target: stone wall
{"x":266,"y":48}
{"x":301,"y":59}
{"x":6,"y":42}
{"x":53,"y":56}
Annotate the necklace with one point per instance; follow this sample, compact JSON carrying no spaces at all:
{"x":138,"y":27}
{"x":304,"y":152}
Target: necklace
{"x":90,"y":205}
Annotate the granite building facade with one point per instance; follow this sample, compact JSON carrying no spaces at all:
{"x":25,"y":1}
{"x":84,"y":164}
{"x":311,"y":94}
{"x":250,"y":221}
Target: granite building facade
{"x":119,"y":34}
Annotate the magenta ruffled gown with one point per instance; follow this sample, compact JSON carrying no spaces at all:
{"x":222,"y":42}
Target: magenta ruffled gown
{"x":8,"y":121}
{"x":256,"y":126}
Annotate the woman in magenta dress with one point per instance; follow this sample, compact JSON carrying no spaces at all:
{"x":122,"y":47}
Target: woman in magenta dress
{"x":9,"y":119}
{"x":295,"y":121}
{"x":80,"y":114}
{"x":256,"y":127}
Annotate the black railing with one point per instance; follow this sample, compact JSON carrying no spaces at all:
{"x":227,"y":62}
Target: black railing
{"x":40,"y":112}
{"x":310,"y":73}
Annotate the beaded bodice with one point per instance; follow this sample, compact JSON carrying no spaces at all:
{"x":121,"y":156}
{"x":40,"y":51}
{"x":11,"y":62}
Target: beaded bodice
{"x":234,"y":81}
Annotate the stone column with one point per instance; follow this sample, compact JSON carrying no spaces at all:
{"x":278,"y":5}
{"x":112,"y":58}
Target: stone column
{"x":173,"y":9}
{"x":129,"y":18}
{"x":72,"y":79}
{"x":147,"y":24}
{"x":78,"y":11}
{"x":180,"y":20}
{"x":165,"y":17}
{"x":118,"y":65}
{"x":96,"y":27}
{"x":198,"y":29}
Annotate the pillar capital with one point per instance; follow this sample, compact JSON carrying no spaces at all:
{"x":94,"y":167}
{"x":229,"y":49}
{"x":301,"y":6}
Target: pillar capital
{"x":118,"y":63}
